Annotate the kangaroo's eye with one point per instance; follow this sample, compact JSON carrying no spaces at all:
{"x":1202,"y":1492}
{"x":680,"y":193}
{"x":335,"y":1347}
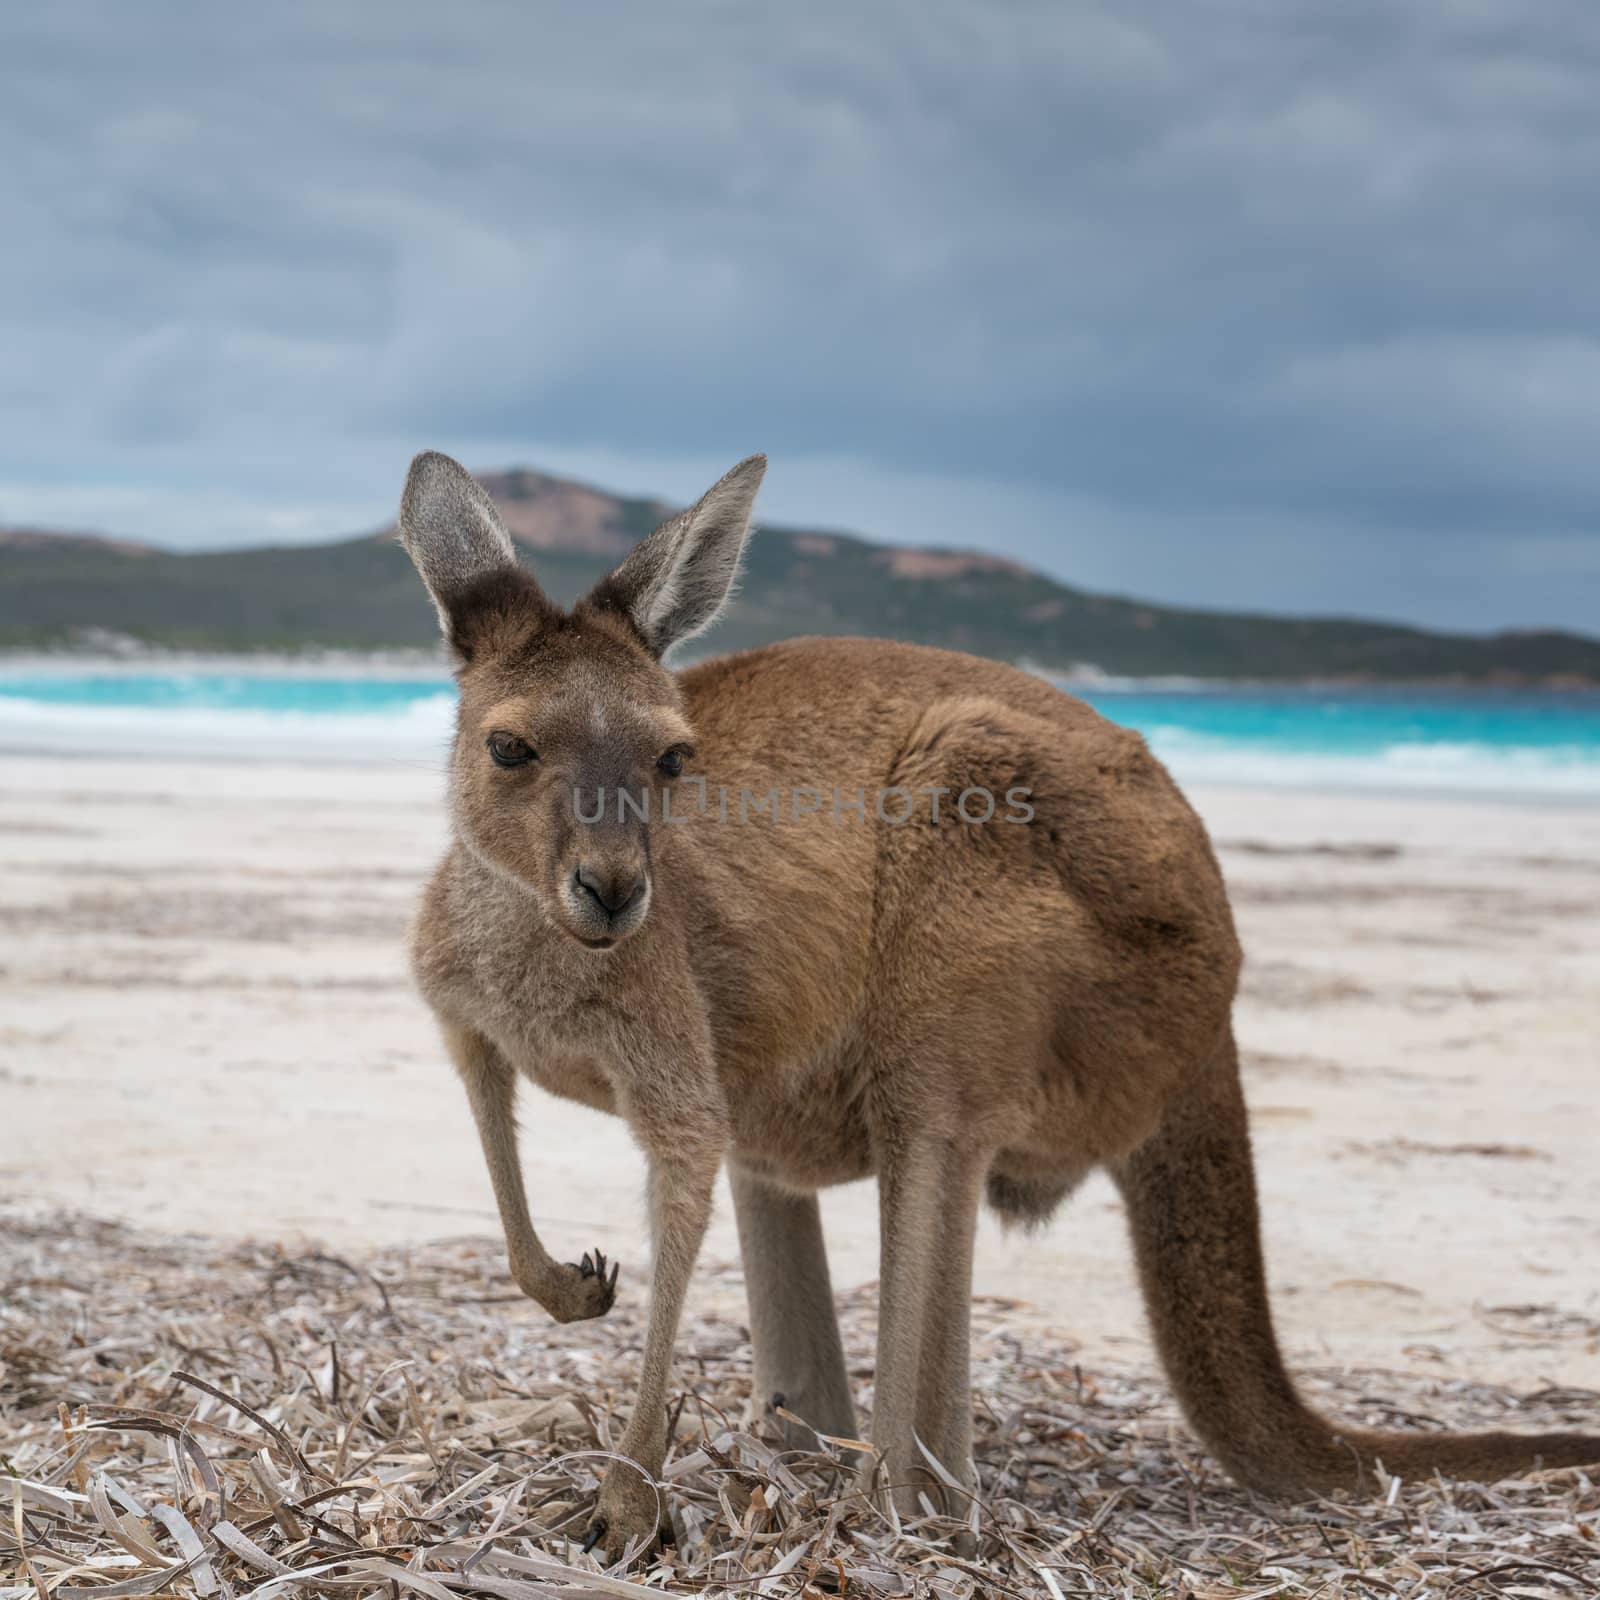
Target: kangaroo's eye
{"x":672,"y":762}
{"x":510,"y":751}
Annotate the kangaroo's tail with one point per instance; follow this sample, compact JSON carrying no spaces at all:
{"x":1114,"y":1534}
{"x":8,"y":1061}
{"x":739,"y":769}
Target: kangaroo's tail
{"x":1191,"y":1198}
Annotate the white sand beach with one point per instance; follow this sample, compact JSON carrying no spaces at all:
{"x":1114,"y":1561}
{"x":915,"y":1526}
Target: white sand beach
{"x":206,"y":1024}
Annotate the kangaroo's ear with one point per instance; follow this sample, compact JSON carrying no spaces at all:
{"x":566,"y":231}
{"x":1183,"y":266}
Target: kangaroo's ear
{"x":676,"y":583}
{"x":451,"y":530}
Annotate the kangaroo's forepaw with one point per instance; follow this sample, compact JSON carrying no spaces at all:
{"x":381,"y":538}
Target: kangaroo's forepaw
{"x":583,"y":1289}
{"x":631,"y":1510}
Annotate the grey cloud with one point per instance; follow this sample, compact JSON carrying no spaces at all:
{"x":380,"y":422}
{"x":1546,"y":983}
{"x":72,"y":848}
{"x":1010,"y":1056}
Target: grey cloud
{"x":1293,"y":305}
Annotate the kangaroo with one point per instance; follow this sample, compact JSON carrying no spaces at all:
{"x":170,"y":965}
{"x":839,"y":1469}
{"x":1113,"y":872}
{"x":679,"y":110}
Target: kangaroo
{"x":639,"y":912}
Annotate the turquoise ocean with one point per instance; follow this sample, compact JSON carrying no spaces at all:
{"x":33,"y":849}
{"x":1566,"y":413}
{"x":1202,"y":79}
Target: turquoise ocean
{"x":1479,"y":741}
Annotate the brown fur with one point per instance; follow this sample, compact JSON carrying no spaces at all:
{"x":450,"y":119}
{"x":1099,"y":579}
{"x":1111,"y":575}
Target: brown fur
{"x":957,"y":1009}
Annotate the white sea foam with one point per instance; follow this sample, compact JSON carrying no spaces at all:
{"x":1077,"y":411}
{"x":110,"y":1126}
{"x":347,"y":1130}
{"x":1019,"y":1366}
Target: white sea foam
{"x":1569,"y":771}
{"x":415,"y":729}
{"x":1088,"y":678}
{"x":420,"y":729}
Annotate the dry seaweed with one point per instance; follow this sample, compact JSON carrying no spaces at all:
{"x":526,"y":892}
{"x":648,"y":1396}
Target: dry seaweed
{"x":180,"y":1417}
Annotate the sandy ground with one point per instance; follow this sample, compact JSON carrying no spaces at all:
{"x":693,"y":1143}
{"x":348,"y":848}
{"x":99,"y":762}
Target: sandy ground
{"x":206,"y":1023}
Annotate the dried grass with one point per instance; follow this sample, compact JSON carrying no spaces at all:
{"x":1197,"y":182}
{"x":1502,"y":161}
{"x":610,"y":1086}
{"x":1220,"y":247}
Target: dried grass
{"x":179,"y":1417}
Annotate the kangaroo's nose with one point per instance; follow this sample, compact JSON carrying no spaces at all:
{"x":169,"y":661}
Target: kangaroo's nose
{"x":615,"y":888}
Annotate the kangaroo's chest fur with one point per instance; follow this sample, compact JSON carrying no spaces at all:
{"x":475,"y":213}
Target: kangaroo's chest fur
{"x":569,"y":1021}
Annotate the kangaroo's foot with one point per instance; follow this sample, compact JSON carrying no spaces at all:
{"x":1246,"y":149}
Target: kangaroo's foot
{"x":631,"y":1514}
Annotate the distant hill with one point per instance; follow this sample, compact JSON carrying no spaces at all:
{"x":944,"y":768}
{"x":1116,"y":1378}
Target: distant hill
{"x":57,"y":589}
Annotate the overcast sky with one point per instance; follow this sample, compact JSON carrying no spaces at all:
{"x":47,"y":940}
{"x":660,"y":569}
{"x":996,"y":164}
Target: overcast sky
{"x":1286,"y":304}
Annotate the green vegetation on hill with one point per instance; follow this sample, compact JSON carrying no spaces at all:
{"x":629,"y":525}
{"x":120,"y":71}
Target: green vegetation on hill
{"x":362,"y":594}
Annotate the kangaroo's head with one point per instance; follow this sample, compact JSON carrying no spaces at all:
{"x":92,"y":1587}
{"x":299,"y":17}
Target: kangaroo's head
{"x":570,"y":730}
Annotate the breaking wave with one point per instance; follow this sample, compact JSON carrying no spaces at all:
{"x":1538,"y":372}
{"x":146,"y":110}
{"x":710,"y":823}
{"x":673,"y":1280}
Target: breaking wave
{"x":1467,"y":742}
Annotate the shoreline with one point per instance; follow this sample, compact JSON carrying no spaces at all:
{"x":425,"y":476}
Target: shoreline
{"x":401,"y":664}
{"x":425,"y":663}
{"x":348,"y":710}
{"x":311,"y":760}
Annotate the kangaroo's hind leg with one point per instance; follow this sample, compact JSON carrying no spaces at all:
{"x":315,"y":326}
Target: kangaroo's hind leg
{"x":927,"y":1204}
{"x":944,"y":1386}
{"x":799,"y":1360}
